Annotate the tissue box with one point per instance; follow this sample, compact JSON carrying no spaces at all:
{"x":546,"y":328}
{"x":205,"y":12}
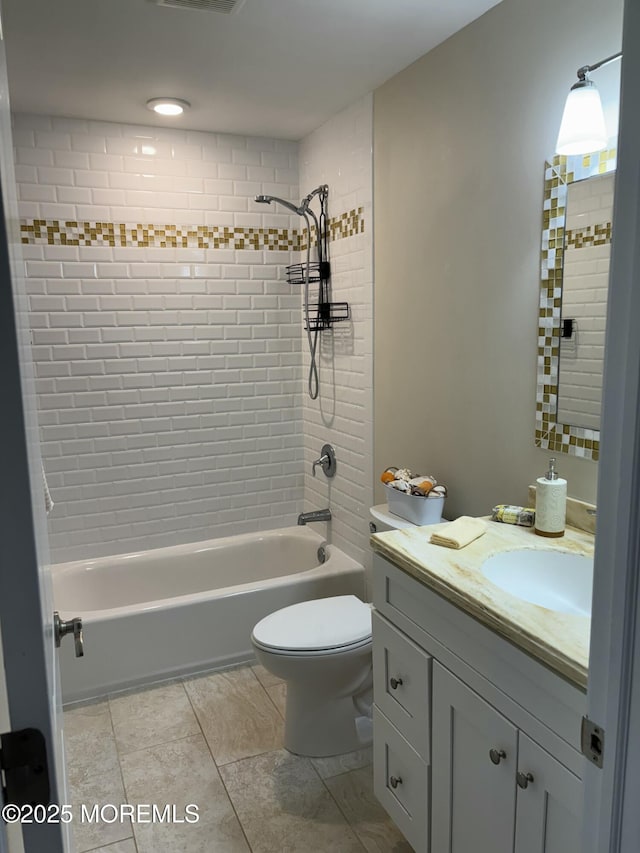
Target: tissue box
{"x":419,"y":510}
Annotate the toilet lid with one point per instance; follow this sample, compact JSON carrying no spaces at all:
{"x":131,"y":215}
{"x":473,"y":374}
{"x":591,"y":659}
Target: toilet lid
{"x":325,"y":623}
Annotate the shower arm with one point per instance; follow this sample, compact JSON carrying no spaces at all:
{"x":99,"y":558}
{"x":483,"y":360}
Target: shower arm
{"x":322,"y":191}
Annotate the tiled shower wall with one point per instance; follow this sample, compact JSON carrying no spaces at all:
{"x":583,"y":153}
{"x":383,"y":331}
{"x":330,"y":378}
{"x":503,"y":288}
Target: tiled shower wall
{"x":339,"y":154}
{"x":167,"y":359}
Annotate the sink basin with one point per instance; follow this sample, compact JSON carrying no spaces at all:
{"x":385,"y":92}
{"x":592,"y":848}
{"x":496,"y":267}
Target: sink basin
{"x":556,"y":580}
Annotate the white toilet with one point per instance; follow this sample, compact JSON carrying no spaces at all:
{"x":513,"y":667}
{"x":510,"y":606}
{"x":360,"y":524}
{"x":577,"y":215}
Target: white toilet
{"x":322,"y":649}
{"x":382,"y":520}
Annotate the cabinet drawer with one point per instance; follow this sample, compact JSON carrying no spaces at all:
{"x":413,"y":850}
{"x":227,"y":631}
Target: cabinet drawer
{"x":402,"y":684}
{"x":401,"y":782}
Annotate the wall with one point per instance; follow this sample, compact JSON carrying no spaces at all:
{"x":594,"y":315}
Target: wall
{"x":460,"y":141}
{"x":167,"y":357}
{"x":339,"y":154}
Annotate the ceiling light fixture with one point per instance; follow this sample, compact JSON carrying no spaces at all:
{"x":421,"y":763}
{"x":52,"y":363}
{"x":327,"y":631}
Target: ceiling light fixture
{"x":168,"y":106}
{"x":582,"y":129}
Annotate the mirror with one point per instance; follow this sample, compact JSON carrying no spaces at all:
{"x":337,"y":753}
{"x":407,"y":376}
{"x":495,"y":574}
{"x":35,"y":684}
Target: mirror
{"x":576,"y":244}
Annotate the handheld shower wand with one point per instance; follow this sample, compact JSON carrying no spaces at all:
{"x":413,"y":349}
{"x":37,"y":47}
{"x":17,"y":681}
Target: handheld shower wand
{"x":305,"y":211}
{"x":267,"y":199}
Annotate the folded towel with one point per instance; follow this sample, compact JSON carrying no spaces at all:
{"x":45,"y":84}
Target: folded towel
{"x":459,"y":533}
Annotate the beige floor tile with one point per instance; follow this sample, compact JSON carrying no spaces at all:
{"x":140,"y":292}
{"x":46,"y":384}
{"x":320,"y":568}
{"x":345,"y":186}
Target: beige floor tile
{"x":278,"y":694}
{"x":90,"y":746}
{"x":265,"y":677}
{"x":336,"y":764}
{"x":105,"y":788}
{"x":283,"y":805}
{"x":128,"y":846}
{"x":236,"y":715}
{"x":180,"y":773}
{"x":153,"y":716}
{"x":354,"y":794}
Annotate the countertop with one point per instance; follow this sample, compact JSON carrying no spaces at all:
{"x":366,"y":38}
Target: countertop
{"x":559,"y":640}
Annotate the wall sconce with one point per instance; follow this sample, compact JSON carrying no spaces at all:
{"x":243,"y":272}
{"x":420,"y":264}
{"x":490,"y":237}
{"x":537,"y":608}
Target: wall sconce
{"x":582,"y":129}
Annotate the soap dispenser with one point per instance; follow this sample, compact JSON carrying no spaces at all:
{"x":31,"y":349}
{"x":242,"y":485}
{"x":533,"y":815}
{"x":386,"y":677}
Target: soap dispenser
{"x":551,"y":503}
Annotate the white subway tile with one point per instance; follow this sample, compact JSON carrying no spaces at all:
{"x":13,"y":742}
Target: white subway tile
{"x":33,"y":156}
{"x":184,"y":328}
{"x":52,"y":140}
{"x":36,"y":192}
{"x":73,"y":195}
{"x":88,"y":142}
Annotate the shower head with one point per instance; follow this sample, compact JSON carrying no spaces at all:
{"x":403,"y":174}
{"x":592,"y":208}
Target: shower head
{"x":267,"y":199}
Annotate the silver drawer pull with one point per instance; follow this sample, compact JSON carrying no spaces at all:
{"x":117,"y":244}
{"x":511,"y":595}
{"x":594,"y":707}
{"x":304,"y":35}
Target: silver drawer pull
{"x":496,"y":755}
{"x":395,"y":683}
{"x":394,"y":781}
{"x":523,"y":779}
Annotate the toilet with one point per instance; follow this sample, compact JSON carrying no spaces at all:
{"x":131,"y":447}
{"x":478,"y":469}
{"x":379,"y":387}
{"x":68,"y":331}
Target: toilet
{"x":322,"y":649}
{"x":382,"y":520}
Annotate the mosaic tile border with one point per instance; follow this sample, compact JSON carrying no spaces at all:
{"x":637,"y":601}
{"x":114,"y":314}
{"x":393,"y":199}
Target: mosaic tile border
{"x":562,"y":171}
{"x":54,"y":232}
{"x":591,"y":235}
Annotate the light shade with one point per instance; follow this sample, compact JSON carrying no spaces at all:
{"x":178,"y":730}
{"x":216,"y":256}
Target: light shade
{"x":582,"y":129}
{"x":168,"y":106}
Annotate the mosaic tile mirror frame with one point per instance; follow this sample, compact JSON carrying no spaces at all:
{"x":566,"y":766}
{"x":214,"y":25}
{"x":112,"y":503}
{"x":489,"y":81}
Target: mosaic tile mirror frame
{"x":550,"y":434}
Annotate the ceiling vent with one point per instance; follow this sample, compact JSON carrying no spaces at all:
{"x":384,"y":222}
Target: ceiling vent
{"x":226,"y":7}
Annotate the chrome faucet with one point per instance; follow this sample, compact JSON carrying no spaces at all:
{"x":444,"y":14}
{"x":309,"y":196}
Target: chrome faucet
{"x":314,"y":515}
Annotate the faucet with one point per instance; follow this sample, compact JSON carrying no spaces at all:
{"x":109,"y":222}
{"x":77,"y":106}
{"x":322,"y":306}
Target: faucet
{"x":314,"y":515}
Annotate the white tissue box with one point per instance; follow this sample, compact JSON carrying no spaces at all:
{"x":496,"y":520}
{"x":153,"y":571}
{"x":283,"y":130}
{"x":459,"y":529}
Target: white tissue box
{"x":414,"y":508}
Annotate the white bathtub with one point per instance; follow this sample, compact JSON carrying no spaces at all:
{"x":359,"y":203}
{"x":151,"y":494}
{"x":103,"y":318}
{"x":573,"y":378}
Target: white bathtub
{"x":156,"y":614}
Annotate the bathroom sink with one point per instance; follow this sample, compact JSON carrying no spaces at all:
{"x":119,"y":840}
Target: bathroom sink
{"x":557,"y":580}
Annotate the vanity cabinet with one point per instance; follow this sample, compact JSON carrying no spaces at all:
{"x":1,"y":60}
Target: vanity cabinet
{"x":475,"y":742}
{"x":497,"y":790}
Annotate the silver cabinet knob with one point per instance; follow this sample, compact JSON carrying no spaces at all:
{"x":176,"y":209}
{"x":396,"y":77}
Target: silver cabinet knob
{"x":496,"y":755}
{"x":394,"y":781}
{"x":72,"y":626}
{"x":395,"y":683}
{"x":523,"y":779}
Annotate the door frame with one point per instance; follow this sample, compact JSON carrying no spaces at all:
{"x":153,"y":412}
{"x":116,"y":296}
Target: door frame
{"x":26,"y":601}
{"x":611,"y":817}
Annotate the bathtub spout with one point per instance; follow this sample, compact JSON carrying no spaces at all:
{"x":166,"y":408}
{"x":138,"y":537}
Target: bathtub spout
{"x":314,"y":515}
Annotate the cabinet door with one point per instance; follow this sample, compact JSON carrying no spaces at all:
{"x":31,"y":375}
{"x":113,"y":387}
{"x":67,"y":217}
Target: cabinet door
{"x":474,"y":760}
{"x":549,"y":808}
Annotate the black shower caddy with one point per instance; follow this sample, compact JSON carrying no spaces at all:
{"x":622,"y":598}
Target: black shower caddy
{"x":325,"y":313}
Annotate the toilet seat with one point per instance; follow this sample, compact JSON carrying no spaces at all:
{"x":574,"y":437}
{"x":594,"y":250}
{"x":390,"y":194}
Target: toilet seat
{"x":321,"y":626}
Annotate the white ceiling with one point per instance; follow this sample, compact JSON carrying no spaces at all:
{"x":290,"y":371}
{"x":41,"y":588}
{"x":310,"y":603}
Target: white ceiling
{"x":277,"y":68}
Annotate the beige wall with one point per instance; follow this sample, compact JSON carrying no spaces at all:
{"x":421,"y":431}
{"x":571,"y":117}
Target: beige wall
{"x":460,"y":140}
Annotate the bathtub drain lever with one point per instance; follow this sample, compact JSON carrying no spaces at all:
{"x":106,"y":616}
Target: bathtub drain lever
{"x":72,"y":626}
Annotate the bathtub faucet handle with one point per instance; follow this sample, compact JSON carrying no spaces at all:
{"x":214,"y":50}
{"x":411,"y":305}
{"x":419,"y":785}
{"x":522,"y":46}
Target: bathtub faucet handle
{"x":72,"y":626}
{"x":327,"y":461}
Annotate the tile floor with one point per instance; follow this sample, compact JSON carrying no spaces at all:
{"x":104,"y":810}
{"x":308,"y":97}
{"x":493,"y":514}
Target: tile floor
{"x":216,"y":741}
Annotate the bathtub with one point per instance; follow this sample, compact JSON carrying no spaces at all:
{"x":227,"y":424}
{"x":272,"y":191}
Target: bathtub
{"x":157,"y":614}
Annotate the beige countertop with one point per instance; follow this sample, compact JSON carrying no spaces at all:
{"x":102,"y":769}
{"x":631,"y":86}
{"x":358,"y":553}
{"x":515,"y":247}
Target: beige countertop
{"x":559,"y":640}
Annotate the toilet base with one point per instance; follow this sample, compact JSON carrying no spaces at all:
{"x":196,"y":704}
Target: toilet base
{"x":316,"y":727}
